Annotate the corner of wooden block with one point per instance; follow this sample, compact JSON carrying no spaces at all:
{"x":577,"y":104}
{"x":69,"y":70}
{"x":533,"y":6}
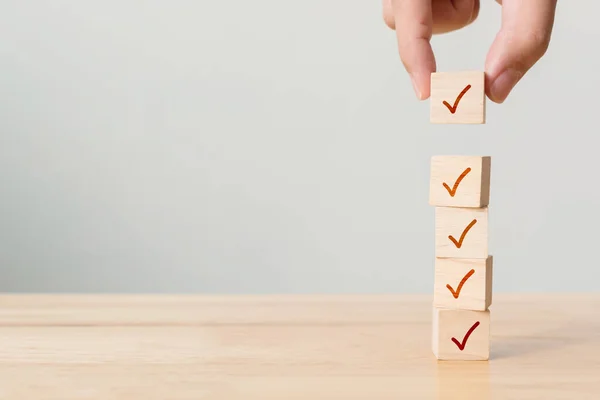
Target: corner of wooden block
{"x":489,"y":281}
{"x":486,"y":175}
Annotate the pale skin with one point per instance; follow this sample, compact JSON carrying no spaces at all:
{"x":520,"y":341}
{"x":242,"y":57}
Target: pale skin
{"x":522,"y":41}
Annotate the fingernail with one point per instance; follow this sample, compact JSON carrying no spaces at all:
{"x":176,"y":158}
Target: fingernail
{"x":503,"y":84}
{"x":416,"y":87}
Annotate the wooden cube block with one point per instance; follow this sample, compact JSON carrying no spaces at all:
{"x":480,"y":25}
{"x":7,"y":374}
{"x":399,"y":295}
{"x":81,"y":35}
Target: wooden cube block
{"x":460,"y":181}
{"x":461,"y":334}
{"x":463,"y":283}
{"x":457,"y":97}
{"x":461,"y":232}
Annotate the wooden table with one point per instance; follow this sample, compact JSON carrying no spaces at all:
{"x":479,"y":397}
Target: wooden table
{"x":287,"y":348}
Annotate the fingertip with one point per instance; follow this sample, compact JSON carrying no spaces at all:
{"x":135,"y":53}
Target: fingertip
{"x":488,"y":88}
{"x":421,"y":81}
{"x":388,"y":14}
{"x":475,"y":12}
{"x":500,"y":86}
{"x":416,"y":86}
{"x":419,"y":62}
{"x":426,"y":86}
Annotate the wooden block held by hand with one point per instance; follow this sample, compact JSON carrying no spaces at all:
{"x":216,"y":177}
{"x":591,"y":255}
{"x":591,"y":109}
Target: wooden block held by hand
{"x":461,"y":232}
{"x":460,"y":181}
{"x":463,"y":283}
{"x":461,"y":334}
{"x":457,"y":97}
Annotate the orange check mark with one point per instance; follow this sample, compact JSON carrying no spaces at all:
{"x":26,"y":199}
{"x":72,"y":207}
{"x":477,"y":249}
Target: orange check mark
{"x":458,"y":243}
{"x":462,"y":345}
{"x":460,"y":285}
{"x":455,"y":106}
{"x":460,"y":178}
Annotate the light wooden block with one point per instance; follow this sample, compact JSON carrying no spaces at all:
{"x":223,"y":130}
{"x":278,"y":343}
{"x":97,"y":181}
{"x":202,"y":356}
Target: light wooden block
{"x":463,"y":283}
{"x":454,"y":328}
{"x":461,"y":232}
{"x":449,"y":107}
{"x":460,"y":181}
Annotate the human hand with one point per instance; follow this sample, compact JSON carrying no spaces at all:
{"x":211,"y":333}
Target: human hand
{"x":522,"y":40}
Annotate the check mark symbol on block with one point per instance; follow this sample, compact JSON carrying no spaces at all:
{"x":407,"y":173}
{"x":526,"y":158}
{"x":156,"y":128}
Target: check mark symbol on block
{"x":460,"y":285}
{"x":461,"y":346}
{"x":452,"y":191}
{"x":459,"y":243}
{"x":460,"y":96}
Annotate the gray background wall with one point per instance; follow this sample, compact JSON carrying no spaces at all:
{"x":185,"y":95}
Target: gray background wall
{"x":275,"y":147}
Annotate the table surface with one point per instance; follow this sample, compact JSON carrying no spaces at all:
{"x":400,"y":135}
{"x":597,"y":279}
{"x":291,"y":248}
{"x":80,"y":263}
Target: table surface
{"x":289,"y":347}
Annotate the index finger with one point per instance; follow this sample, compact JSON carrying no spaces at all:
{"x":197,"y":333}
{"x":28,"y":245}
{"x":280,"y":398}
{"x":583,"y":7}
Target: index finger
{"x":414,"y":28}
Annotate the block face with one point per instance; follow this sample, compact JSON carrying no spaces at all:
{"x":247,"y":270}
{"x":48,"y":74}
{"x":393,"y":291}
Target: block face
{"x":460,"y":181}
{"x":463,"y":283}
{"x":461,"y":334}
{"x":461,"y":232}
{"x":458,"y":97}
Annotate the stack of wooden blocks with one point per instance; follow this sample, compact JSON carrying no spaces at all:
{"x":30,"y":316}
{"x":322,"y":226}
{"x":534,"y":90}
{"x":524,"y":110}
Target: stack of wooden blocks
{"x":460,"y":193}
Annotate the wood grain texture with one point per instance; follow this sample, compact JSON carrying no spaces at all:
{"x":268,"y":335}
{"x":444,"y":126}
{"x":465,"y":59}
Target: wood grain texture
{"x":288,"y":347}
{"x":473,"y":190}
{"x":447,"y":86}
{"x":455,"y":222}
{"x":476,"y":291}
{"x":470,"y":329}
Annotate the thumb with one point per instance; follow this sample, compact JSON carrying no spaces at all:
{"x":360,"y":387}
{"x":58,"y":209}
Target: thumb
{"x":522,"y":41}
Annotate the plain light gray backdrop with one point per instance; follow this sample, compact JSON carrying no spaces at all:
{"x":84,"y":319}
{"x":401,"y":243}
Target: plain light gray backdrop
{"x":275,"y":147}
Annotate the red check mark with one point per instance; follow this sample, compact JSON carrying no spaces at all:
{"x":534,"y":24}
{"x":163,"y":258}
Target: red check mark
{"x":458,"y":243}
{"x":456,"y":292}
{"x":452,"y":191}
{"x":461,"y":346}
{"x":455,"y":106}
